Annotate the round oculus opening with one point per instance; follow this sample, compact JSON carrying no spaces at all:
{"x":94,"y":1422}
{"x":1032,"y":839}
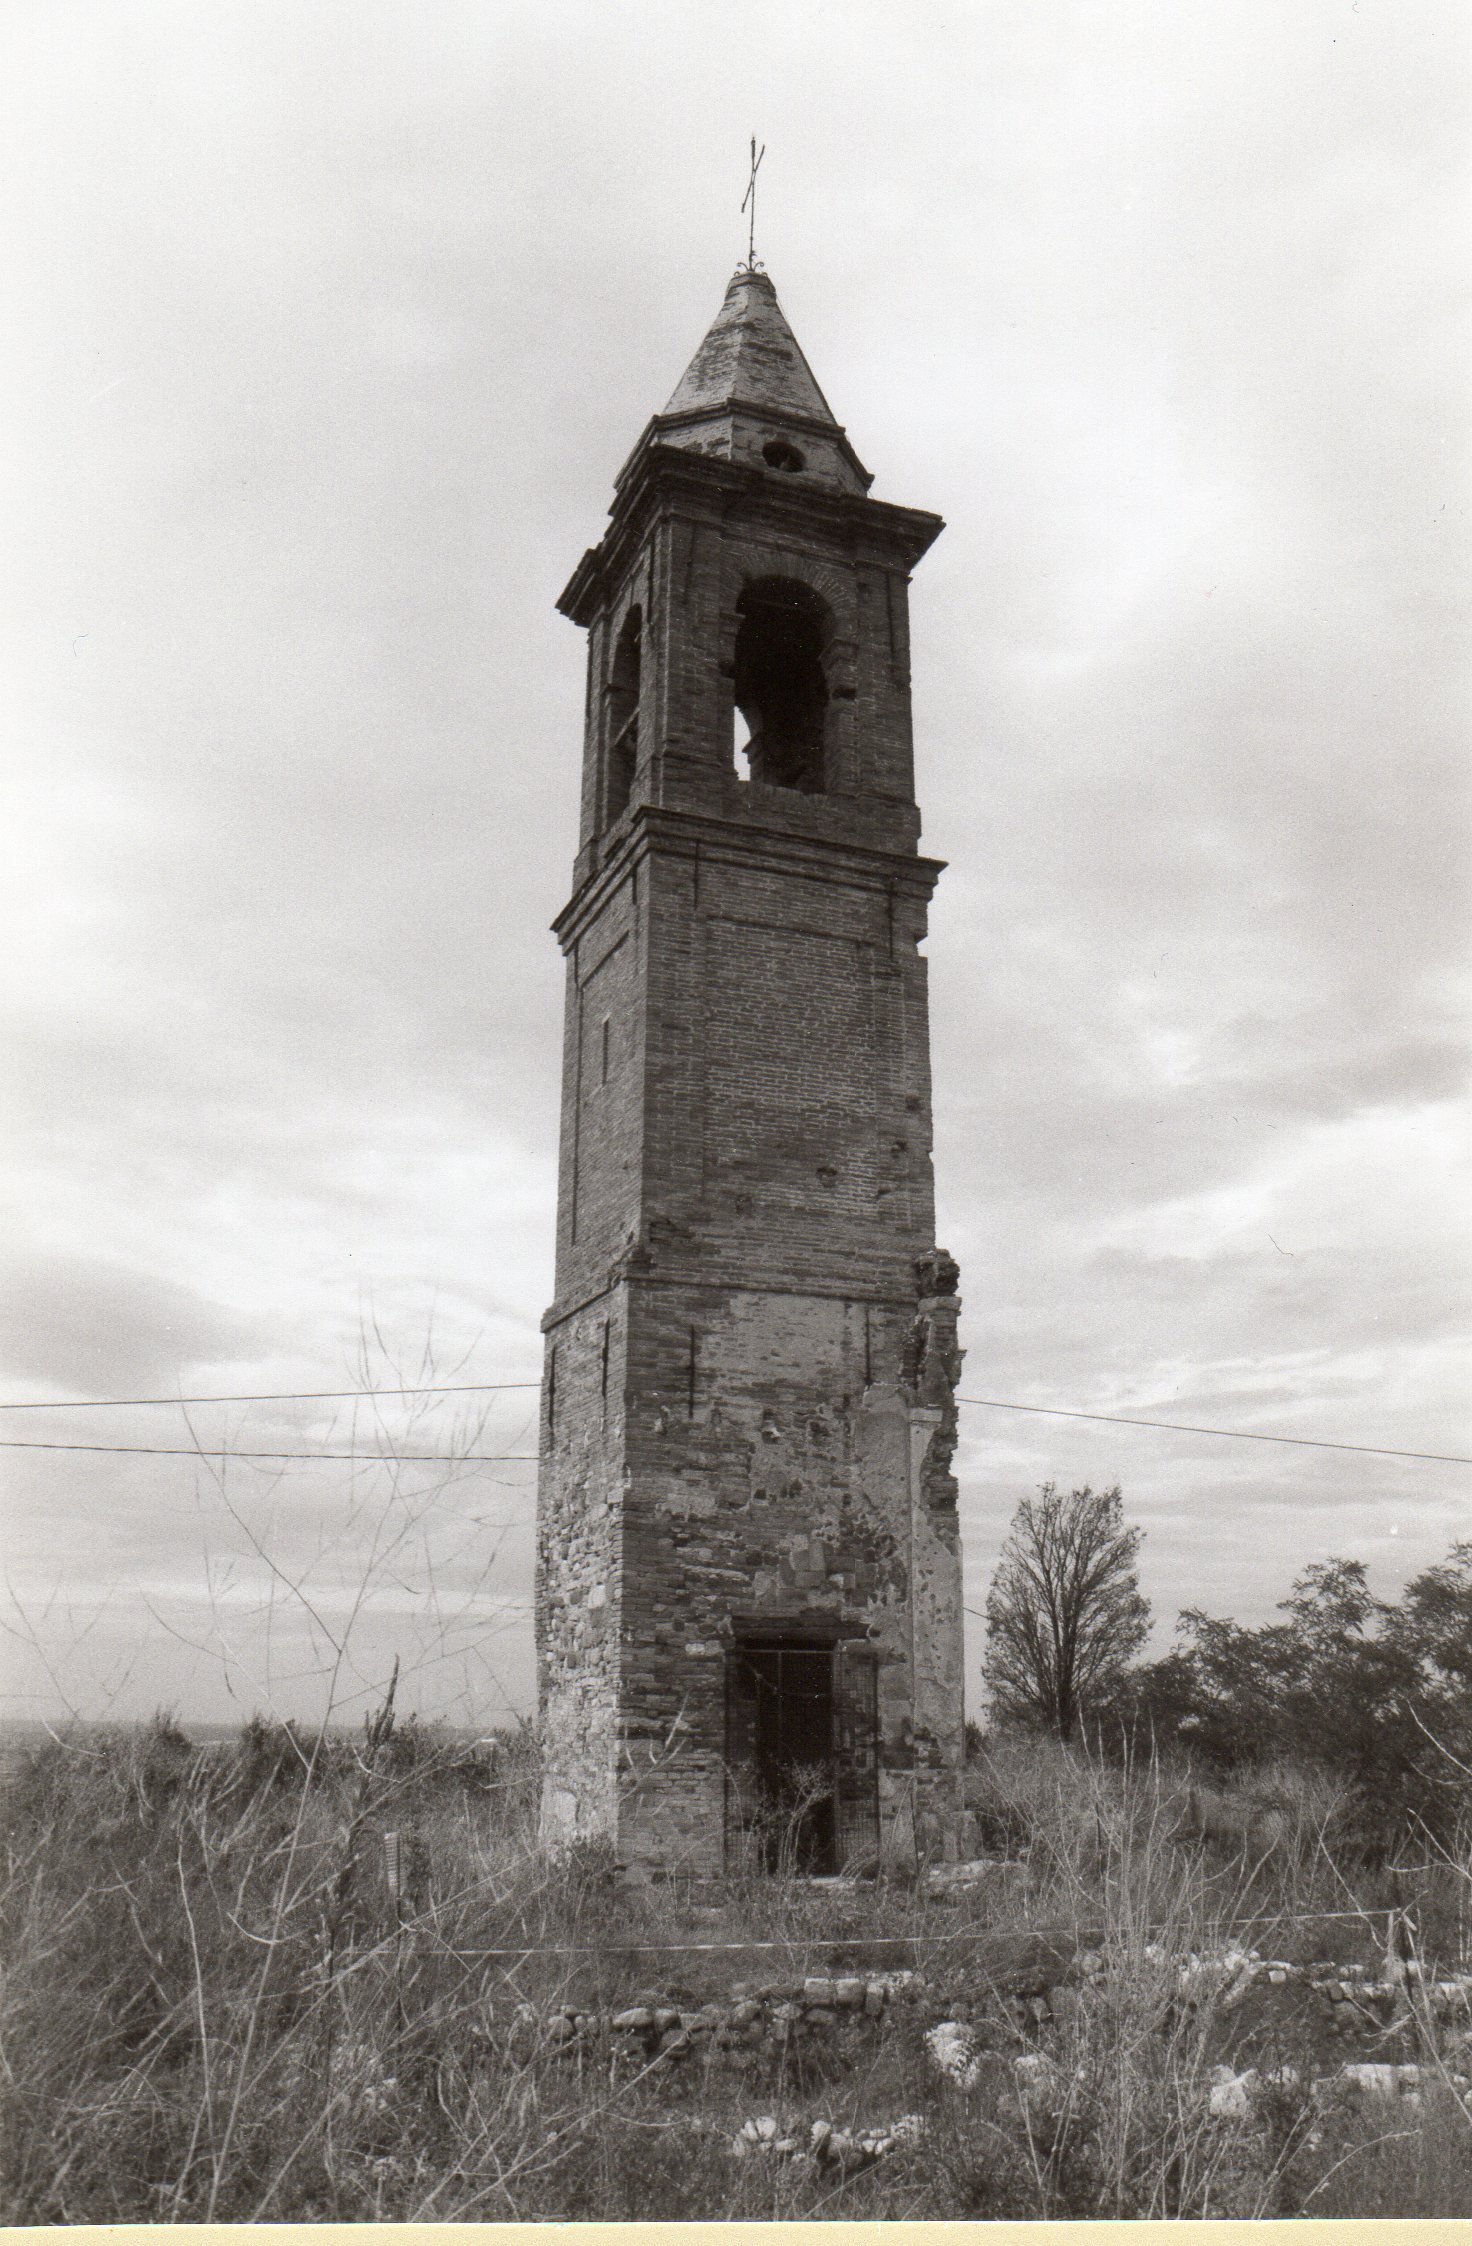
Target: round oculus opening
{"x":778,"y":453}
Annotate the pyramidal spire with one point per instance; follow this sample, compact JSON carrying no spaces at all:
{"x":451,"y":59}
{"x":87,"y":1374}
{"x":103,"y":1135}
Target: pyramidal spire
{"x":751,"y":355}
{"x":749,"y":395}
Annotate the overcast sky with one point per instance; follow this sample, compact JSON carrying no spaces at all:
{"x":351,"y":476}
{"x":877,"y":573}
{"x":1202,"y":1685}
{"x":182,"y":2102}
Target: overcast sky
{"x":329,"y":326}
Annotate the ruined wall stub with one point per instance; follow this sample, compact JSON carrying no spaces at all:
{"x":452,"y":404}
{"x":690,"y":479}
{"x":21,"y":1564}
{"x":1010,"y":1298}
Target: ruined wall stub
{"x":748,"y":1409}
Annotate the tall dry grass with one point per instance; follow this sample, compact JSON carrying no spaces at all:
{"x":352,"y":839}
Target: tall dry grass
{"x":311,"y":1979}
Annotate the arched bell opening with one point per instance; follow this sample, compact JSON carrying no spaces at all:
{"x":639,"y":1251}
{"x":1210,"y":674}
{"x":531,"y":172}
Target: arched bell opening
{"x":781,"y":690}
{"x":623,"y":719}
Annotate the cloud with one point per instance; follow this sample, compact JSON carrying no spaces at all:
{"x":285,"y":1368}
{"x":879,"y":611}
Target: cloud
{"x":67,"y":1323}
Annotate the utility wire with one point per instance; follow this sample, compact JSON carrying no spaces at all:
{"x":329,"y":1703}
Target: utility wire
{"x":499,"y":1387}
{"x":1237,"y":1434}
{"x":997,"y":1936}
{"x":283,"y":1396}
{"x":343,"y":1458}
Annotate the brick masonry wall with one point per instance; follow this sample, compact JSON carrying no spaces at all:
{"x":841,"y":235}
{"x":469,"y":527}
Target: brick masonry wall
{"x":702,"y":567}
{"x":599,"y":1197}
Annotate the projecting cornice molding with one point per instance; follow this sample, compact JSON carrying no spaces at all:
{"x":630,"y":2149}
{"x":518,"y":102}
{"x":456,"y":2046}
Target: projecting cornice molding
{"x":662,"y":479}
{"x":715,"y":841}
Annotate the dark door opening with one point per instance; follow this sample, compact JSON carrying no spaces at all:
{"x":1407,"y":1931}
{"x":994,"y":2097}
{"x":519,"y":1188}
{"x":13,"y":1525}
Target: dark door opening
{"x":801,"y":1755}
{"x":793,"y":1766}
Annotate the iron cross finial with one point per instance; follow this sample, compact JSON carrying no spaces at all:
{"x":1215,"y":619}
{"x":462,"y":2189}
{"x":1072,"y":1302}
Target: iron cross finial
{"x":749,"y":199}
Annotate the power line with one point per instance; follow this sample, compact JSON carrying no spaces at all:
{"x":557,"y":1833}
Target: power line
{"x":281,"y":1396}
{"x":430,"y":1944}
{"x":1236,"y":1434}
{"x":501,"y":1387}
{"x":342,"y":1458}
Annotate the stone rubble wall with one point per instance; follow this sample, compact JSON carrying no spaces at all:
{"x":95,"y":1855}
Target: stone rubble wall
{"x":757,"y":2023}
{"x":766,"y":2016}
{"x":774,"y":2015}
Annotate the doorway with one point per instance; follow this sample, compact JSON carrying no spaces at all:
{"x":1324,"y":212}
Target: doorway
{"x":785,"y":1694}
{"x":801,"y":1754}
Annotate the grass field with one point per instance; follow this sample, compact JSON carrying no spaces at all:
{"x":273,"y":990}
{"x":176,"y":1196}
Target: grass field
{"x":248,"y":1981}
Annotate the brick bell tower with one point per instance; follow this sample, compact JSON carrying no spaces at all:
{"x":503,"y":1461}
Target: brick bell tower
{"x":748,"y":1605}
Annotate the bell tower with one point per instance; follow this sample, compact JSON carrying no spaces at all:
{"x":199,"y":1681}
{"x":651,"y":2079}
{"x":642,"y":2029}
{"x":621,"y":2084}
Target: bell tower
{"x":748,"y":1601}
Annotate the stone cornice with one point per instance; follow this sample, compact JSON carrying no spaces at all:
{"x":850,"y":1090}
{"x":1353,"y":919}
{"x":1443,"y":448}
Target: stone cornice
{"x":626,"y":1273}
{"x":654,"y":829}
{"x":666,"y":479}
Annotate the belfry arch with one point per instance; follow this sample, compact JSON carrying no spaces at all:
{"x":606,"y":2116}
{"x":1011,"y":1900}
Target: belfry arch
{"x":624,"y":680}
{"x":780,"y":683}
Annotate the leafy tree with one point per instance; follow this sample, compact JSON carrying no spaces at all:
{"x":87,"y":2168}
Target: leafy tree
{"x":1434,"y":1624}
{"x":1432,"y":1630}
{"x":1380,"y":1694}
{"x":1064,"y":1616}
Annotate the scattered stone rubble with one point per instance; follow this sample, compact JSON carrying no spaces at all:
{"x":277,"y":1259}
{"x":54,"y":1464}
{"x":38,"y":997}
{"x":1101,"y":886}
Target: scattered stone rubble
{"x":1234,"y":2097}
{"x":1042,"y":2086}
{"x":954,"y":2052}
{"x":827,"y":2145}
{"x":948,"y":1881}
{"x":1360,"y":2004}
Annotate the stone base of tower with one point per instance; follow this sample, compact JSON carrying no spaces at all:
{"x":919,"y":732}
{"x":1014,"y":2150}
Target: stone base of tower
{"x":578,"y":1574}
{"x":749,"y":1591}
